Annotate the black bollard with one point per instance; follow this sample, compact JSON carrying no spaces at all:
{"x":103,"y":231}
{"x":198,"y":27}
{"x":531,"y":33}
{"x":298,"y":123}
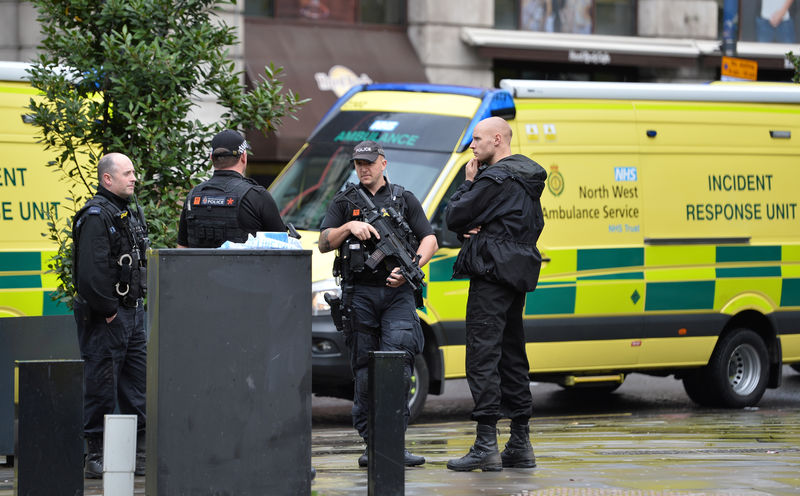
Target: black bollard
{"x":49,"y":441}
{"x":386,"y":471}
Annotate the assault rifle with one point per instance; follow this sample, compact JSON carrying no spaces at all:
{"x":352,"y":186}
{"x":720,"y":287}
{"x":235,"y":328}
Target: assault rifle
{"x":393,"y":242}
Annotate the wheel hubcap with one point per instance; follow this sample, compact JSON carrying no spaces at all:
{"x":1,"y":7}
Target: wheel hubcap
{"x":412,"y":392}
{"x":744,"y":369}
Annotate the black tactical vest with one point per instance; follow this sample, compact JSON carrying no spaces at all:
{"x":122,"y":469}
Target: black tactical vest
{"x":128,"y":245}
{"x":212,"y":215}
{"x":351,"y":256}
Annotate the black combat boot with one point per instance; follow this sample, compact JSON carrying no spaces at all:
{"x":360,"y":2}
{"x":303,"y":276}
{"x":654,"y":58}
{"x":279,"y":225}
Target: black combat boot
{"x":518,"y":452}
{"x":409,"y":460}
{"x":363,"y":460}
{"x":482,"y":455}
{"x":141,"y":454}
{"x":94,"y":458}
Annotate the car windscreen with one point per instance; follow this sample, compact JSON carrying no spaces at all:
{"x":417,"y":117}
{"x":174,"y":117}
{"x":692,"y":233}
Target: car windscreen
{"x":417,"y":148}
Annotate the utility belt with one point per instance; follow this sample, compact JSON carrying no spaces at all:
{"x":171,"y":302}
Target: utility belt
{"x":132,"y":284}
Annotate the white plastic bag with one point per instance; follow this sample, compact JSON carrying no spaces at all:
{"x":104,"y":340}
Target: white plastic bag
{"x":265,"y":241}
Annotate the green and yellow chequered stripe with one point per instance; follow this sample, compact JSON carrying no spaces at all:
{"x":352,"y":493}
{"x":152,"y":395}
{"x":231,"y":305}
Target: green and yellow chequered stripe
{"x":26,"y":287}
{"x":623,"y":281}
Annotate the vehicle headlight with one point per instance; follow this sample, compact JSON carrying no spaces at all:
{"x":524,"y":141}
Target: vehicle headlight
{"x":318,"y":291}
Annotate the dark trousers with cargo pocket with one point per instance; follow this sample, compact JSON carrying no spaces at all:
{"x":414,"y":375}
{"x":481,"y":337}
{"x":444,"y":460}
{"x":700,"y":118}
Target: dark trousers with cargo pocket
{"x":496,"y":362}
{"x":385,"y":319}
{"x":115,"y":365}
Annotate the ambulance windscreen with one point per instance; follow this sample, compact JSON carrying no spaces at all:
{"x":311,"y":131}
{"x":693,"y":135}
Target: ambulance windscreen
{"x":417,"y":148}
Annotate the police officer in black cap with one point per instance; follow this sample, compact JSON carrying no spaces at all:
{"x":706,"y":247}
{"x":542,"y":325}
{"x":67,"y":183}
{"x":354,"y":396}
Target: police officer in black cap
{"x":109,"y":244}
{"x":228,"y":206}
{"x":383,"y":305}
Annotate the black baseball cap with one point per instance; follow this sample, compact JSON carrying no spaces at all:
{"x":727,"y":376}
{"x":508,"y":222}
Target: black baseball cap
{"x":228,"y":143}
{"x":367,"y":150}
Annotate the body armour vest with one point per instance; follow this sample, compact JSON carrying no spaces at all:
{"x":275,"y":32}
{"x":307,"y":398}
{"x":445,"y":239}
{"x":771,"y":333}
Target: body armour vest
{"x":128,"y":245}
{"x":349,"y":263}
{"x":212,"y":215}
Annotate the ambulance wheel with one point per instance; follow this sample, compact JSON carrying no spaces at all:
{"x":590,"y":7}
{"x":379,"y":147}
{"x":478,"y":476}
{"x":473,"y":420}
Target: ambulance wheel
{"x":419,"y":388}
{"x":737,"y":374}
{"x":694,"y":384}
{"x":796,"y":367}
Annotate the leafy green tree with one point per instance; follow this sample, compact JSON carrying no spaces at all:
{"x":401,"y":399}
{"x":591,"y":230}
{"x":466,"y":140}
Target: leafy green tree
{"x":119,"y":76}
{"x":795,"y":59}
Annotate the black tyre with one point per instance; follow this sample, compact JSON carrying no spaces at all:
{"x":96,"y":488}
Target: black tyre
{"x":419,"y":388}
{"x":796,"y":367}
{"x":694,"y":383}
{"x":737,"y":374}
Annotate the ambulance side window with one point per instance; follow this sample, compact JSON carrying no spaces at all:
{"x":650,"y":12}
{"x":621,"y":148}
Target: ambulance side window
{"x":444,"y":236}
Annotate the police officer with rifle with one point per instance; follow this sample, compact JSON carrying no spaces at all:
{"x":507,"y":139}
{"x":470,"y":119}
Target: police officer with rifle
{"x":109,"y":267}
{"x":383,"y":238}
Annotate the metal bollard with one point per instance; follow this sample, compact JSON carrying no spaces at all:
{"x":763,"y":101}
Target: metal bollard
{"x":49,"y":444}
{"x":119,"y":454}
{"x":386,"y":441}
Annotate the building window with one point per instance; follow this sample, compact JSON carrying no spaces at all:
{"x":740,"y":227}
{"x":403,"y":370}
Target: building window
{"x":264,"y":8}
{"x":769,"y":21}
{"x":383,"y":12}
{"x":506,"y":14}
{"x":615,"y":17}
{"x":348,"y":11}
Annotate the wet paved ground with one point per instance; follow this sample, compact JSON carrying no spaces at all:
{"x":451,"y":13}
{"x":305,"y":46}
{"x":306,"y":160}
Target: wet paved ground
{"x":746,"y":453}
{"x":661,"y":451}
{"x":749,"y":453}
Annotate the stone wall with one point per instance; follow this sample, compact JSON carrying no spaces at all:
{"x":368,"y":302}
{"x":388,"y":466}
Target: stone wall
{"x":678,"y":18}
{"x":19,"y":31}
{"x":434,"y":28}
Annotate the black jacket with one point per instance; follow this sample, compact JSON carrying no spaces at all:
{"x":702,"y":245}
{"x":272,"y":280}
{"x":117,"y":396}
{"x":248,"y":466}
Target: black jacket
{"x":103,"y":230}
{"x":504,"y":201}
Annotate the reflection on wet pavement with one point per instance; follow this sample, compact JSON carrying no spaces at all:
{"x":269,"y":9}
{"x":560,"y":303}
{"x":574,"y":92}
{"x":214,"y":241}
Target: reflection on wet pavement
{"x":754,"y":452}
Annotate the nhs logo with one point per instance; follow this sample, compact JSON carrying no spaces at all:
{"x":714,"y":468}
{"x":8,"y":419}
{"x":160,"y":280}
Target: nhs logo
{"x":625,"y":173}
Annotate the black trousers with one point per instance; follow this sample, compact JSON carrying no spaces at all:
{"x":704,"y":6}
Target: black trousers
{"x":114,"y":367}
{"x":496,"y":362}
{"x":385,"y":320}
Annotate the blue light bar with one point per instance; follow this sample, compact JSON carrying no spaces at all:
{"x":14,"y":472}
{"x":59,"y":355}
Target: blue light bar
{"x":498,"y":103}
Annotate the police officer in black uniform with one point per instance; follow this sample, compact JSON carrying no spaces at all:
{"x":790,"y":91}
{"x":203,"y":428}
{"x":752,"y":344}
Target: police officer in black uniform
{"x":383,"y":305}
{"x":109,"y":244}
{"x":228,"y":206}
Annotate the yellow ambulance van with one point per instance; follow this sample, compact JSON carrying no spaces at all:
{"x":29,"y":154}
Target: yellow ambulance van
{"x":30,"y":195}
{"x":672,"y":231}
{"x":32,"y":325}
